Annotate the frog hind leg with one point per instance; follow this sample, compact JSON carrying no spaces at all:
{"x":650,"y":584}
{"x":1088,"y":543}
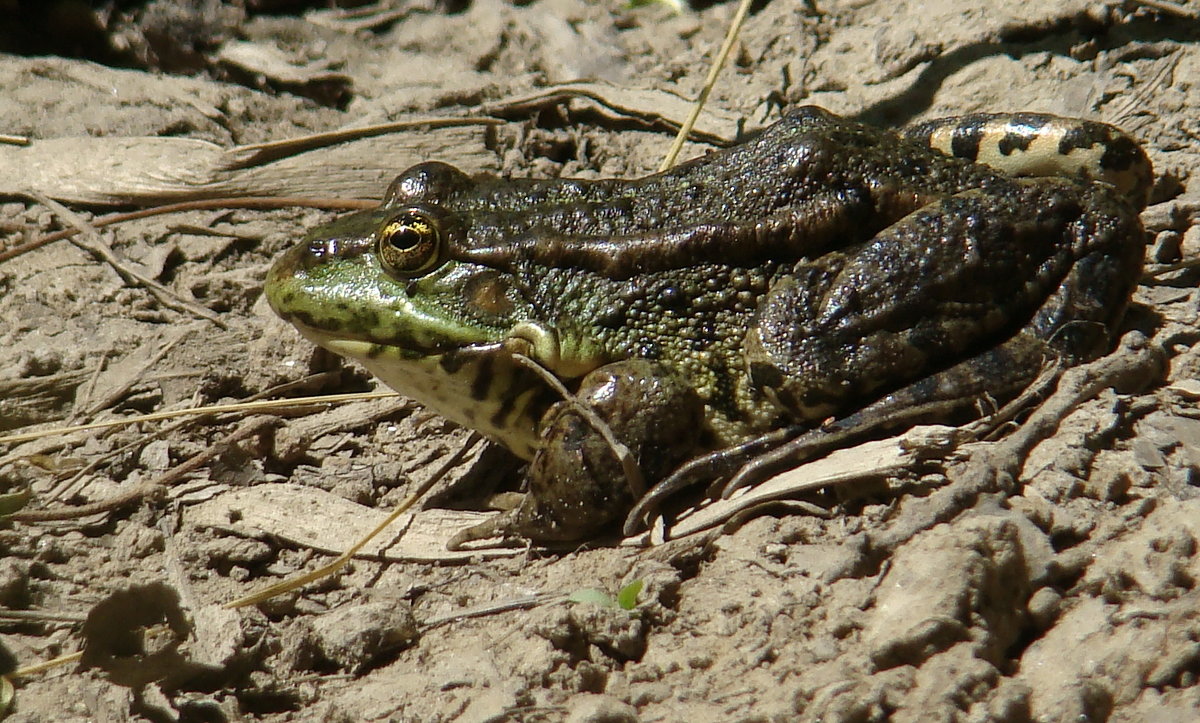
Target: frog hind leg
{"x":577,"y":481}
{"x":963,"y":300}
{"x":1065,"y":268}
{"x":937,"y":397}
{"x":944,"y":284}
{"x":940,"y":397}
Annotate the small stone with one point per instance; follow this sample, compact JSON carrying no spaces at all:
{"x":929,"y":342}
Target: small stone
{"x":1044,"y":606}
{"x":156,"y":455}
{"x":600,"y":709}
{"x":1167,"y":247}
{"x":1108,"y":481}
{"x":358,"y":637}
{"x":225,"y":551}
{"x":14,"y":584}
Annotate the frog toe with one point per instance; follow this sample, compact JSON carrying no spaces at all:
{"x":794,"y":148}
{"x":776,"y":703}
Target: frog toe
{"x":499,"y":526}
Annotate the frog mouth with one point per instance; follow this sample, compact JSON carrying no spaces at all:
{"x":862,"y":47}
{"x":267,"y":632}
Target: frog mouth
{"x":345,"y":338}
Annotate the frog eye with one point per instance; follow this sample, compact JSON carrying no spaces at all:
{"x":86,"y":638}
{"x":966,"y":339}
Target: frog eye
{"x":409,"y":244}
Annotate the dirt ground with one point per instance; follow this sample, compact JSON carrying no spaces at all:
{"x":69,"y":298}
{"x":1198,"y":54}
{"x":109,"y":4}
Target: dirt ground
{"x":1065,"y":591}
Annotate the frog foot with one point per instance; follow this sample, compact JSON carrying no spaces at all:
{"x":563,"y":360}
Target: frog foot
{"x":950,"y":393}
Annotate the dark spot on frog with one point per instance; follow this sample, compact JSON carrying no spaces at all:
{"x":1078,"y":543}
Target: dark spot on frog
{"x":1011,"y":142}
{"x":303,"y":317}
{"x":483,"y":378}
{"x":766,"y":376}
{"x":965,"y":140}
{"x":360,"y":317}
{"x":514,"y":388}
{"x":1122,"y":153}
{"x":1118,"y":152}
{"x":611,"y":316}
{"x":487,"y":294}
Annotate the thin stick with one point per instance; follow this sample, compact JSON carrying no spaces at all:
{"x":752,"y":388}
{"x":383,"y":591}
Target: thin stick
{"x":208,"y":204}
{"x":521,"y":603}
{"x":46,"y":665}
{"x":1168,"y":7}
{"x":719,"y":62}
{"x":145,"y":489}
{"x":294,"y":582}
{"x":210,"y":409}
{"x":93,"y":244}
{"x":37,"y":616}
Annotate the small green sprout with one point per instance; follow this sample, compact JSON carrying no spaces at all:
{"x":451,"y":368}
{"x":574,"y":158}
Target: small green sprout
{"x":626,"y":599}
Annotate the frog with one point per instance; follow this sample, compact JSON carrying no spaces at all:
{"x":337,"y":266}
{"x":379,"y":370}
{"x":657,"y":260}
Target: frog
{"x":821,"y":279}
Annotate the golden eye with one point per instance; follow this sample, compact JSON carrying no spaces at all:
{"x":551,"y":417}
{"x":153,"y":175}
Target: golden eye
{"x":409,"y":244}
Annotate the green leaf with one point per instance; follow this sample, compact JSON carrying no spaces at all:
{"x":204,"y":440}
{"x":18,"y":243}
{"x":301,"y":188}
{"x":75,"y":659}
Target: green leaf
{"x":627,"y":598}
{"x":14,"y":501}
{"x":592,"y":596}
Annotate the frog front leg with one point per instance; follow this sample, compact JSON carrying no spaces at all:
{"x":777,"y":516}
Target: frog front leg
{"x":577,"y":484}
{"x":1037,"y":268}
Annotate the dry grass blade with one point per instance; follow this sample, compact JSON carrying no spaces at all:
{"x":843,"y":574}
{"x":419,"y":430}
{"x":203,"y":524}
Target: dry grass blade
{"x":252,"y":428}
{"x":1129,"y":112}
{"x":1169,"y":8}
{"x":326,"y":570}
{"x":356,"y":20}
{"x":250,"y":406}
{"x":38,"y":616}
{"x":873,"y":460}
{"x":93,"y":244}
{"x":521,"y":603}
{"x":46,"y":665}
{"x":653,"y":108}
{"x":255,"y":202}
{"x":685,"y":130}
{"x":1157,"y":272}
{"x":258,"y":153}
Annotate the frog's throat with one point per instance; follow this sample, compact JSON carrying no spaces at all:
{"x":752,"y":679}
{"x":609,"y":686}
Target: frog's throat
{"x":564,"y":356}
{"x":485,"y":391}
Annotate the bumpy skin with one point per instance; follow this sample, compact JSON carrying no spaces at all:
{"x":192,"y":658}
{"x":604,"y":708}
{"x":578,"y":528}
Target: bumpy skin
{"x":648,"y":408}
{"x":812,"y":271}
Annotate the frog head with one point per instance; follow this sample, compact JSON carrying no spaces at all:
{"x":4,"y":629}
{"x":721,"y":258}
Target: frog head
{"x":383,"y":287}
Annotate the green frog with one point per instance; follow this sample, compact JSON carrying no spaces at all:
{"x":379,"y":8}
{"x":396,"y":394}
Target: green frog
{"x":821,"y":278}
